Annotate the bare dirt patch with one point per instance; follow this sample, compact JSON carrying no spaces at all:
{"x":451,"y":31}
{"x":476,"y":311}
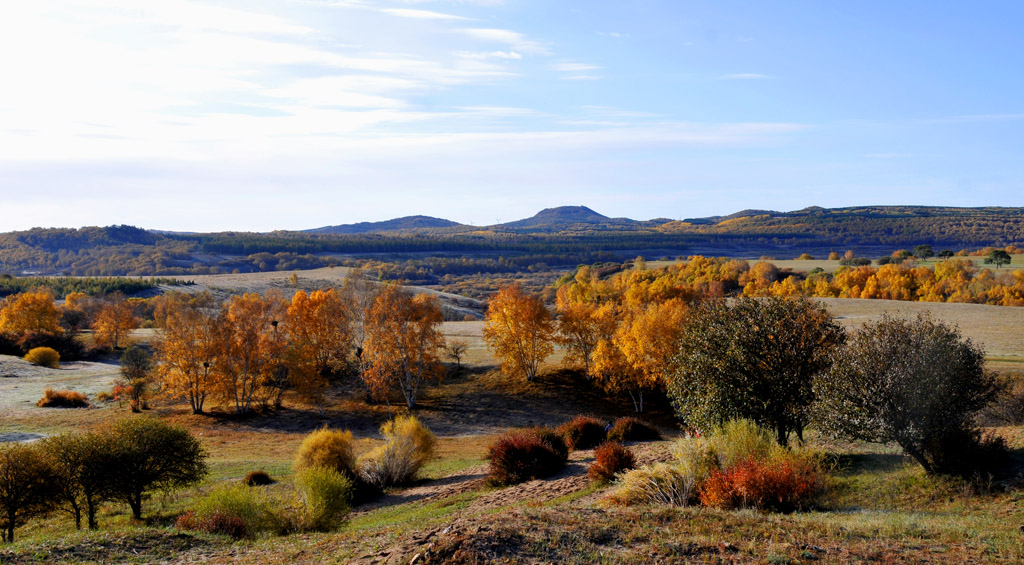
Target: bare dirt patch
{"x":22,"y":383}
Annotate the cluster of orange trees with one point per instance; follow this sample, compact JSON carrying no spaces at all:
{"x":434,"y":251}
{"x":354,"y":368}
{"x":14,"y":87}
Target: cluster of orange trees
{"x":250,"y":349}
{"x":33,"y":318}
{"x":953,"y":280}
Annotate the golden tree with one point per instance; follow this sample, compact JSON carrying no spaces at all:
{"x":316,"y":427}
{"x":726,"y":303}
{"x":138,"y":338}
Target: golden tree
{"x":582,"y":326}
{"x":32,"y":311}
{"x":636,"y":358}
{"x":114,"y":321}
{"x":248,"y":347}
{"x":520,"y":331}
{"x":320,"y":330}
{"x":186,"y":349}
{"x":403,"y":342}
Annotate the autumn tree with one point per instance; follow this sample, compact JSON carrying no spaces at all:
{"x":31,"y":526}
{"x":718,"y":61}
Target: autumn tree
{"x":320,"y":329}
{"x":358,"y":294}
{"x":114,"y":321}
{"x":754,"y":359}
{"x":136,"y":367}
{"x":520,"y":331}
{"x":247,"y":347}
{"x":187,"y":348}
{"x":403,"y":342}
{"x":32,"y":311}
{"x":637,"y":356}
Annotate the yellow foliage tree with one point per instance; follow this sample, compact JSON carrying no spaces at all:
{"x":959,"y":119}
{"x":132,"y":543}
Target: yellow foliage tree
{"x":186,"y":349}
{"x":32,"y":311}
{"x":248,"y":347}
{"x":520,"y":331}
{"x":114,"y":321}
{"x":320,"y":331}
{"x":403,"y":342}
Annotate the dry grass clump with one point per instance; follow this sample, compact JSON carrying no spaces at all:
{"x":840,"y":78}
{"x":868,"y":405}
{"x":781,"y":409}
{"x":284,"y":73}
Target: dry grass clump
{"x":408,"y":445}
{"x":44,"y":357}
{"x":327,"y":448}
{"x":63,"y":399}
{"x":737,"y":466}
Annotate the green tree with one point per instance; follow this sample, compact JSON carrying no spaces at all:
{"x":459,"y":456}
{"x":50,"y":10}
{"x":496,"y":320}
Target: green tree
{"x":27,"y":484}
{"x":998,"y":257}
{"x":917,"y":383}
{"x":754,"y":359}
{"x":923,"y":251}
{"x":152,"y":455}
{"x":86,"y":471}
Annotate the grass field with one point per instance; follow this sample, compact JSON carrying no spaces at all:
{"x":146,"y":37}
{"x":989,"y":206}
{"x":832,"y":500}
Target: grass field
{"x":882,"y":508}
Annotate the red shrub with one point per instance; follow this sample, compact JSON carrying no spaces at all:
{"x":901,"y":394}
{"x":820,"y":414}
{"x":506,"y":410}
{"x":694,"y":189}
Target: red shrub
{"x":609,"y":459}
{"x":631,"y":428}
{"x":779,"y":486}
{"x":62,"y":399}
{"x":216,"y":523}
{"x":582,"y":432}
{"x":522,"y":455}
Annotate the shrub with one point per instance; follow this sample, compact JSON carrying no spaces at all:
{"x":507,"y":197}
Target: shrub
{"x":408,"y":445}
{"x":327,"y":448}
{"x":258,"y":479}
{"x":523,"y":455}
{"x":235,"y":510}
{"x":69,"y":348}
{"x":631,"y":428}
{"x":917,"y":383}
{"x":326,"y":497}
{"x":610,"y":459}
{"x":582,"y":432}
{"x":62,"y":399}
{"x":216,"y":523}
{"x":661,"y":483}
{"x":44,"y":357}
{"x":781,"y":484}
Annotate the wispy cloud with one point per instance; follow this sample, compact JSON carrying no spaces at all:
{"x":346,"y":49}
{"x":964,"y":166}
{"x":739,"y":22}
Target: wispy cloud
{"x":614,"y":34}
{"x":513,"y":39}
{"x":481,"y":55}
{"x":422,"y":14}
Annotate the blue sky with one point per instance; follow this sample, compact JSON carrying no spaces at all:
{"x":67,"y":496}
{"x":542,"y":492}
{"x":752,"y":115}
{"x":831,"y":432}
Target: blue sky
{"x":260,"y":115}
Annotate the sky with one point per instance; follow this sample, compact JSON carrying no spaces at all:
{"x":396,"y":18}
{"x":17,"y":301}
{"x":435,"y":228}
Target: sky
{"x":255,"y":115}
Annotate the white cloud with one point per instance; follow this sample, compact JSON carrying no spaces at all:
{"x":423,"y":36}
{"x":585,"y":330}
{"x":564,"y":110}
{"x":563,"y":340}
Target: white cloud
{"x":614,"y":34}
{"x":480,"y":55}
{"x":513,"y":39}
{"x":422,"y":14}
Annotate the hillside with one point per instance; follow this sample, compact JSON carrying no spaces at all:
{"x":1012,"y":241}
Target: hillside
{"x":397,"y":224}
{"x":554,"y":238}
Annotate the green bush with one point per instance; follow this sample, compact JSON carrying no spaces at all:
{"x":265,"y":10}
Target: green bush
{"x":44,"y":357}
{"x":408,"y":445}
{"x":252,"y":509}
{"x":326,"y":497}
{"x":327,"y":448}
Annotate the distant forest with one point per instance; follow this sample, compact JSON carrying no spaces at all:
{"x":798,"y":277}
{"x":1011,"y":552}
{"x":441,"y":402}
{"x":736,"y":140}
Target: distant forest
{"x":519,"y":246}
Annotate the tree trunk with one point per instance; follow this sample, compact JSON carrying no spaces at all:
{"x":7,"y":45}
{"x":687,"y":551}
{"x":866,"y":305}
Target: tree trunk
{"x":135,"y":502}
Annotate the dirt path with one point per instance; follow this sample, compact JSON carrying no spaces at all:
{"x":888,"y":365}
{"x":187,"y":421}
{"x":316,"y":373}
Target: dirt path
{"x":573,"y":478}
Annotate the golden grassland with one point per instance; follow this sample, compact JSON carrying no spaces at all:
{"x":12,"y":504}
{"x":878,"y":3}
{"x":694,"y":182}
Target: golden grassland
{"x":881,"y":508}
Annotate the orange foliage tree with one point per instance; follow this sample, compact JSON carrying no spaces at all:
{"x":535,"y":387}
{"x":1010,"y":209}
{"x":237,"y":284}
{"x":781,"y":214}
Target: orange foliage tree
{"x":248,"y":348}
{"x":186,"y":349}
{"x":32,"y":311}
{"x":403,"y":342}
{"x":520,"y":331}
{"x":114,"y":321}
{"x":320,"y":331}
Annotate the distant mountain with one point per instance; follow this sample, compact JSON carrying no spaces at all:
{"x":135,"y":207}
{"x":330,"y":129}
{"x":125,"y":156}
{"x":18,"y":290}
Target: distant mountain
{"x":565,"y":216}
{"x":397,"y":224}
